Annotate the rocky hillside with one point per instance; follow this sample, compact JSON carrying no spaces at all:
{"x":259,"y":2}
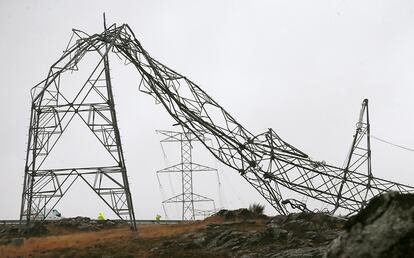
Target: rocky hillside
{"x":385,"y":228}
{"x":243,"y":234}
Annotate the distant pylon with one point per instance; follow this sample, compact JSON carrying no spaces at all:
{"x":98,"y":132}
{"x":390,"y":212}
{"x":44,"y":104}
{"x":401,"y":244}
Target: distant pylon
{"x":186,"y":167}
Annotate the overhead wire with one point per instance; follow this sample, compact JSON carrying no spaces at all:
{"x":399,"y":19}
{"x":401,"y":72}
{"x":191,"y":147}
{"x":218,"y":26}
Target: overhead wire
{"x":163,"y":195}
{"x":171,"y":185}
{"x":238,"y":197}
{"x":392,"y":144}
{"x":220,"y":192}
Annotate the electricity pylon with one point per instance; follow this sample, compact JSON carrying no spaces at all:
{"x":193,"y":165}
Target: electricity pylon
{"x":186,"y":167}
{"x":52,"y":111}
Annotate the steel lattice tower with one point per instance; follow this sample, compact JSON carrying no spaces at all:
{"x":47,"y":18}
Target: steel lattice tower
{"x":359,"y":157}
{"x":186,"y":168}
{"x":51,"y":113}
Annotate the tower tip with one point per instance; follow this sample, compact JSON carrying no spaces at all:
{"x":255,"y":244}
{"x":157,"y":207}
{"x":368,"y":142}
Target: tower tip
{"x":104,"y":20}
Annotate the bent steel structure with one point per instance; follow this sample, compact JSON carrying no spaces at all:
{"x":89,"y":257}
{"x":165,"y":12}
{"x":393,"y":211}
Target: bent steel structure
{"x":265,"y":160}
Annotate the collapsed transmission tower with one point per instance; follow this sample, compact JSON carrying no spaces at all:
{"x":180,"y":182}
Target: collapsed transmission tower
{"x":51,"y":113}
{"x":186,"y":167}
{"x":265,"y":160}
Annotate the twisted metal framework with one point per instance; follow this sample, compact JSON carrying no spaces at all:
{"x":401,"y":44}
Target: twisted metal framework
{"x":265,"y":160}
{"x":51,"y":113}
{"x":187,"y":198}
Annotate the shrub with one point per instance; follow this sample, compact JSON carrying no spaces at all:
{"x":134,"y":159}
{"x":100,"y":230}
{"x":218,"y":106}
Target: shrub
{"x":256,"y":208}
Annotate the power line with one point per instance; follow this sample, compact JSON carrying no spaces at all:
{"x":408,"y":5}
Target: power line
{"x":393,"y":144}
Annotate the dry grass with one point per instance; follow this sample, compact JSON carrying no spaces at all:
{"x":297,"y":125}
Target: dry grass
{"x":70,"y":243}
{"x":161,"y":231}
{"x":117,"y":238}
{"x":80,"y":240}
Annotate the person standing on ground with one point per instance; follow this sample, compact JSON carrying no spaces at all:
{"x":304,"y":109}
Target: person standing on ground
{"x":100,"y":217}
{"x":158,"y":218}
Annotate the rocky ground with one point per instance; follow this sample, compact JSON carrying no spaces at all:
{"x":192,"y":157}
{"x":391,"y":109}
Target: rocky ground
{"x":239,"y":233}
{"x":384,"y":229}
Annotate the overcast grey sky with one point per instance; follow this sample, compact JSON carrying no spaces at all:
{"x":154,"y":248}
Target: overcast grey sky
{"x":300,"y":67}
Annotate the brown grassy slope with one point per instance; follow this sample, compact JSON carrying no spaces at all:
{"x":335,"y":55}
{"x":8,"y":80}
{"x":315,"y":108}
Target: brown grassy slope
{"x":120,"y":241}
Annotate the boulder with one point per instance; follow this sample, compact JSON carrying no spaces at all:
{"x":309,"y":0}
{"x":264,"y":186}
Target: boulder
{"x":384,"y":229}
